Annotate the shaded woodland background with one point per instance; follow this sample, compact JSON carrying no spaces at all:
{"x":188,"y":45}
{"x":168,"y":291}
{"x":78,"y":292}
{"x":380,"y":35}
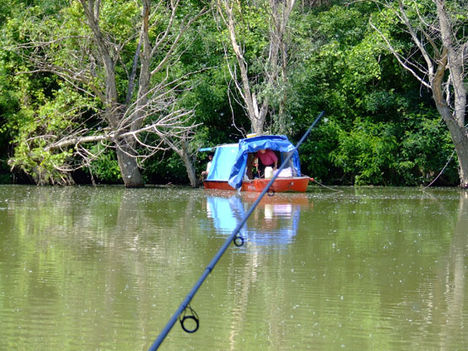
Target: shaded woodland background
{"x":381,"y":126}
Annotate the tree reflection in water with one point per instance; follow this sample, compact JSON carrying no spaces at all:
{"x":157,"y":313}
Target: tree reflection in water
{"x":450,"y":286}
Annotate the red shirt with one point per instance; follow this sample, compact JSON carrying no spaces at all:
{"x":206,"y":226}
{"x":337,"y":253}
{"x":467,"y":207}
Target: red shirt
{"x":268,"y":158}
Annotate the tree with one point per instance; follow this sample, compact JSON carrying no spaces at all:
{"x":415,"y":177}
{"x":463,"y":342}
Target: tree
{"x":257,"y":86}
{"x":438,"y":30}
{"x":115,"y":85}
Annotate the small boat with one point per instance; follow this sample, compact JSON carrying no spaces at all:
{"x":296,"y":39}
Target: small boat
{"x":232,"y":165}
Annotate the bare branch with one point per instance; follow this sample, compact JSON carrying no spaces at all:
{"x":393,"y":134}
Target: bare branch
{"x":403,"y":62}
{"x":254,"y":89}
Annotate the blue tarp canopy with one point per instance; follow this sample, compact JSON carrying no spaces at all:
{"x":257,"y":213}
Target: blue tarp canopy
{"x":250,"y":145}
{"x":223,"y":160}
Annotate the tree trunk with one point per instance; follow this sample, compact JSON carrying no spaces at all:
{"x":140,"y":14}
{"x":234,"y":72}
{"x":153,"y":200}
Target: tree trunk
{"x":257,"y":108}
{"x":459,"y":137}
{"x":192,"y":175}
{"x":190,"y":171}
{"x":452,"y":60}
{"x":129,"y":170}
{"x":458,"y":134}
{"x":453,"y":119}
{"x":462,"y":152}
{"x":460,"y":140}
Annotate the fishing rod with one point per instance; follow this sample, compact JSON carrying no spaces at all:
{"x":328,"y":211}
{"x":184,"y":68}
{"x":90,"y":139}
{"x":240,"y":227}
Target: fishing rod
{"x":238,"y":241}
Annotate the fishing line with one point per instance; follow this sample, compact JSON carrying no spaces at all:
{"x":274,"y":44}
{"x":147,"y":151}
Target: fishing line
{"x":326,"y":187}
{"x":442,"y":171}
{"x":185,"y":305}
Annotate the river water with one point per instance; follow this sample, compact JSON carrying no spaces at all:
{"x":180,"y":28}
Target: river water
{"x":104,"y":268}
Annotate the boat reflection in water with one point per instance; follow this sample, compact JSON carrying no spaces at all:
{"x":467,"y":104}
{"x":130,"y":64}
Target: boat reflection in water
{"x":273,"y":223}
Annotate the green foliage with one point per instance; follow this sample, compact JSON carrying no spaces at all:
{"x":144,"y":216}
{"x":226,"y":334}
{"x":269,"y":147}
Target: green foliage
{"x":105,"y":168}
{"x":8,"y":106}
{"x":382,"y":127}
{"x":315,"y":152}
{"x":426,"y":147}
{"x":366,"y":152}
{"x":380,"y":122}
{"x":50,"y":118}
{"x":169,"y":170}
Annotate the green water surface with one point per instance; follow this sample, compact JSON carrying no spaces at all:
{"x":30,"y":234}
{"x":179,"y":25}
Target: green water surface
{"x":104,"y":268}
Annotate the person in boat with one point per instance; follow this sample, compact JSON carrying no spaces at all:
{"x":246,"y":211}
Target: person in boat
{"x":251,"y":170}
{"x":266,"y":158}
{"x":204,"y":174}
{"x":255,"y":168}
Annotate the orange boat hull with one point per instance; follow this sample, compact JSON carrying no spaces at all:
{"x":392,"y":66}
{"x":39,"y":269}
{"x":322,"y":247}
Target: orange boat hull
{"x":280,"y":185}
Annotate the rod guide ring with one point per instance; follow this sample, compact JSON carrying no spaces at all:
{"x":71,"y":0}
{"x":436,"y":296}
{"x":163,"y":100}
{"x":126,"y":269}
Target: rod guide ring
{"x":238,"y":241}
{"x":184,"y":317}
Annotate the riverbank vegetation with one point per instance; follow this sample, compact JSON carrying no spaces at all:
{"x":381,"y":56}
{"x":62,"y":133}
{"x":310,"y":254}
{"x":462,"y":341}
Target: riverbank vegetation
{"x":100,"y":91}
